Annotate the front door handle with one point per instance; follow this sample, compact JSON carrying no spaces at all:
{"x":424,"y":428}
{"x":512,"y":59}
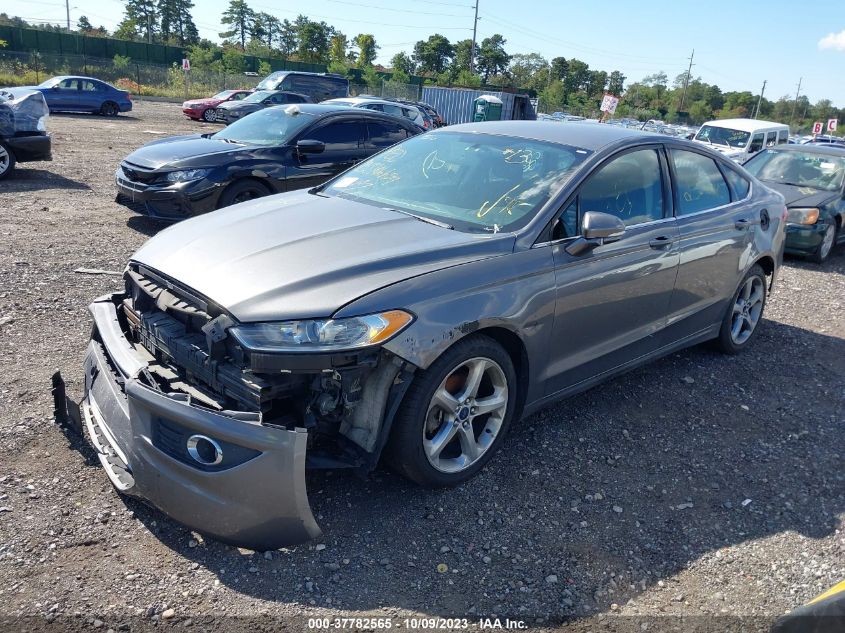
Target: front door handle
{"x":662,"y":242}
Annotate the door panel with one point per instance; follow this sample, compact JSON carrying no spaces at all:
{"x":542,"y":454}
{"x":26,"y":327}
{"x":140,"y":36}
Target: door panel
{"x":613,"y":301}
{"x":344,"y":141}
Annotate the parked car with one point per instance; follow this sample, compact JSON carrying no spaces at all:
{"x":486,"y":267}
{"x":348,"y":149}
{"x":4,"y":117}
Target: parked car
{"x":432,"y":118}
{"x":23,"y":128}
{"x":382,"y":105}
{"x":318,"y":86}
{"x":276,"y":149}
{"x":812,"y":180}
{"x":229,"y":111}
{"x":414,"y":307}
{"x":84,"y":94}
{"x":740,"y":139}
{"x":204,"y":109}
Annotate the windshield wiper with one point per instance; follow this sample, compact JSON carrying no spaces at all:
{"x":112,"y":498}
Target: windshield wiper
{"x":422,"y":218}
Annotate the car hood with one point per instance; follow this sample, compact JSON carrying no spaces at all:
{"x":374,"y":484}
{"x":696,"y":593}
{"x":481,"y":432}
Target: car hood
{"x":801,"y":196}
{"x":300,"y":255}
{"x":201,"y":102}
{"x":240,"y":105}
{"x":178,"y":150}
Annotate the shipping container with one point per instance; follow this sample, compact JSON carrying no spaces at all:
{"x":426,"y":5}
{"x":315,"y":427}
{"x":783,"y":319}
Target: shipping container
{"x":455,"y":105}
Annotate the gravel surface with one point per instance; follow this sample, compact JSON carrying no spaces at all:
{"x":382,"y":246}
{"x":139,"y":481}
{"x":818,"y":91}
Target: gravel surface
{"x":698,"y":485}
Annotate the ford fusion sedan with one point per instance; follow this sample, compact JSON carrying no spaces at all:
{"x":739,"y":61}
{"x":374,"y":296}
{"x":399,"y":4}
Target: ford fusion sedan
{"x":274,"y":150}
{"x":84,"y":94}
{"x":413,"y":309}
{"x":205,"y":109}
{"x":230,"y":111}
{"x":812,"y":180}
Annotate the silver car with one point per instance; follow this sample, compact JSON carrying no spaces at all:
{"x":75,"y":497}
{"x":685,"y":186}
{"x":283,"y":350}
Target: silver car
{"x":412,"y":309}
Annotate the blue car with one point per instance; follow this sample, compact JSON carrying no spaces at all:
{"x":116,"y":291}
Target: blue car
{"x":84,"y":94}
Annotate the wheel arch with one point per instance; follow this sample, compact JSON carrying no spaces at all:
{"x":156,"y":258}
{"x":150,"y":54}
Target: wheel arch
{"x":515,"y":348}
{"x":237,"y":180}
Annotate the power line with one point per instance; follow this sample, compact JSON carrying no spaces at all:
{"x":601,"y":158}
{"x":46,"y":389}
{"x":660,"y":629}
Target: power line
{"x":383,"y":8}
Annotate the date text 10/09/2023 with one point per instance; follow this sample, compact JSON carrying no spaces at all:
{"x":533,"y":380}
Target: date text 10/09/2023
{"x":416,"y":624}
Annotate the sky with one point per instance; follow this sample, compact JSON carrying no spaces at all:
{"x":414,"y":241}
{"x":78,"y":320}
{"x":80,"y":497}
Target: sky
{"x":738,"y":44}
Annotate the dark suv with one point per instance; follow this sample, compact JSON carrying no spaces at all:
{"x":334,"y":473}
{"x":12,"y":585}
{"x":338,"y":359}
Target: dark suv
{"x":318,"y":86}
{"x":276,"y":149}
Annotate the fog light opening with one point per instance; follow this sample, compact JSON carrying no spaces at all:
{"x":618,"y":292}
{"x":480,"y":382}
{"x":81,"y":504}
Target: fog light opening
{"x":204,"y":450}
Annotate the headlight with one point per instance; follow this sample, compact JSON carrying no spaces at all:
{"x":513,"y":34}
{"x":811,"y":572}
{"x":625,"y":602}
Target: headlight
{"x":186,"y":175}
{"x":322,"y":335}
{"x":803,"y":216}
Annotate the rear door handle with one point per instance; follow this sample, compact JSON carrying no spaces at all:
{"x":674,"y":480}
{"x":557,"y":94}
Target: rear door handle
{"x":744,"y":223}
{"x":662,"y":242}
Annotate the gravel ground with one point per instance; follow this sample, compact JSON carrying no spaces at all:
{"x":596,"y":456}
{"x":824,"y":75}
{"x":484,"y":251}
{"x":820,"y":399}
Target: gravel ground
{"x":700,"y":485}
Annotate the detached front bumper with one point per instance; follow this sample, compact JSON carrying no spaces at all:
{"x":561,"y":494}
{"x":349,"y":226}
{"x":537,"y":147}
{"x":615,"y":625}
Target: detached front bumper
{"x":30,"y":147}
{"x":254,"y":496}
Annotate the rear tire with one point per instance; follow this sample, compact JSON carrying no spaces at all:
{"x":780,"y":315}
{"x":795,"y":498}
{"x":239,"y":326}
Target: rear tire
{"x":455,"y":414}
{"x":242,"y":191}
{"x":209,"y":115}
{"x":744,"y":313}
{"x":828,"y":243}
{"x":7,"y":161}
{"x":109,"y":108}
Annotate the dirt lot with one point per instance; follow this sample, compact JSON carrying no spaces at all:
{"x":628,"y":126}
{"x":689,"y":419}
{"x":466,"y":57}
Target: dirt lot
{"x":700,"y":485}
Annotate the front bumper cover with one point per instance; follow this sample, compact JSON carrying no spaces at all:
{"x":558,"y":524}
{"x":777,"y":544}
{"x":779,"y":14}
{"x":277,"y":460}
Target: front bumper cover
{"x":256,"y":500}
{"x":802,"y":239}
{"x":167,"y":202}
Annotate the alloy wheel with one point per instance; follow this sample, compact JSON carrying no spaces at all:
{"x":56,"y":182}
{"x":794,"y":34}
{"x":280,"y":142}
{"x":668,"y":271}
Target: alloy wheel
{"x":244,"y":196}
{"x":747,"y":309}
{"x":827,"y":241}
{"x":465,"y":415}
{"x":5,"y":160}
{"x":209,"y":115}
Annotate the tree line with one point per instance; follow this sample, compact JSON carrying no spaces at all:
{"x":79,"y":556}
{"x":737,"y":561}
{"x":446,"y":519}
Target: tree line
{"x":562,"y":84}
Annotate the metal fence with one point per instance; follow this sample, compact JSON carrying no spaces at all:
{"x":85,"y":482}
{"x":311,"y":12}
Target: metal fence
{"x":28,"y":69}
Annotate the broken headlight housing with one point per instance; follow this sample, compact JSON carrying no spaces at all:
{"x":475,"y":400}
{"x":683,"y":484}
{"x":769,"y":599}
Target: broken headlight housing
{"x":186,"y":175}
{"x":322,"y":335}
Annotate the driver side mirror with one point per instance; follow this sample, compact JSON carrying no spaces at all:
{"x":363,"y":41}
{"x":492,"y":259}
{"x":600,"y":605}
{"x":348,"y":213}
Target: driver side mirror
{"x":597,"y":228}
{"x":310,"y":146}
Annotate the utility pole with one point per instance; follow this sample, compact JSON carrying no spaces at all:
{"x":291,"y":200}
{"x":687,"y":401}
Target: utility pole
{"x":795,"y":105}
{"x":67,"y":8}
{"x":474,"y":29}
{"x":760,"y":100}
{"x":686,"y":81}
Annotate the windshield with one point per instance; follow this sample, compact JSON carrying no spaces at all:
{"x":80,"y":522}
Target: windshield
{"x":49,"y":83}
{"x":224,"y":95}
{"x":257,"y":97}
{"x":270,"y":82}
{"x":271,"y":126}
{"x":803,"y":169}
{"x":475,"y":182}
{"x":722,"y":136}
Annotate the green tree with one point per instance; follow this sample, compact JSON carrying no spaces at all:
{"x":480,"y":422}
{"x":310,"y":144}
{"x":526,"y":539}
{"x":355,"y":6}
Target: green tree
{"x":468,"y":80}
{"x":577,"y":77}
{"x":371,"y":77}
{"x":338,"y":47}
{"x":560,"y":68}
{"x":127,"y":29}
{"x":312,"y":39}
{"x":402,"y":62}
{"x":434,"y":54}
{"x":177,"y":24}
{"x":240,"y":19}
{"x":492,"y":57}
{"x":553,"y":97}
{"x":367,"y":48}
{"x":83,"y":25}
{"x":144,"y":16}
{"x":616,"y":83}
{"x":266,"y":28}
{"x":287,"y":39}
{"x":121,"y":62}
{"x":529,"y":70}
{"x":462,"y":56}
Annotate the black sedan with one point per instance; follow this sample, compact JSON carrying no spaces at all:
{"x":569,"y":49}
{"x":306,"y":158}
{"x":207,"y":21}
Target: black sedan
{"x":230,"y":111}
{"x":274,"y":150}
{"x":812,"y":179}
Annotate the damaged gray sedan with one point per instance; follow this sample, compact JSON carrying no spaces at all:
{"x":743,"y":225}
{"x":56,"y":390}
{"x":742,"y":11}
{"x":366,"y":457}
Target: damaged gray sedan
{"x":411,"y":309}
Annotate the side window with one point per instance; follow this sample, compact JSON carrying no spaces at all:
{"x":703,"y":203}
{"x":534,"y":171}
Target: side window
{"x":392,"y":109}
{"x":374,"y":106}
{"x":629,"y":187}
{"x":568,"y":224}
{"x":783,"y":137}
{"x":699,"y":183}
{"x":739,"y":184}
{"x":239,"y":95}
{"x":384,"y":134}
{"x":339,"y":135}
{"x":756,"y":143}
{"x":771,"y":139}
{"x":69,"y":84}
{"x":89,"y":86}
{"x":408,"y":114}
{"x":277,"y":98}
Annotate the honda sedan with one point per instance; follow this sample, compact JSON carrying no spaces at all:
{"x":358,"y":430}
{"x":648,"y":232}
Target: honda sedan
{"x":413,"y":309}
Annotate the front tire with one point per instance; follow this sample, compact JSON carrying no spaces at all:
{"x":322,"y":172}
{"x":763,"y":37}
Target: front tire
{"x":744,"y":312}
{"x":242,"y":191}
{"x":209,"y":115}
{"x":7,"y":161}
{"x":455,"y":414}
{"x":828,"y":242}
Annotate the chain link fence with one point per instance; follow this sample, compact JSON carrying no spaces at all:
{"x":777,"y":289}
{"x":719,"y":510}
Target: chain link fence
{"x":29,"y":69}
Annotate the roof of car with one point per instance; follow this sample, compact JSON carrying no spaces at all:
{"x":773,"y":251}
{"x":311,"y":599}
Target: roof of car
{"x":357,"y":100}
{"x":745,"y":125}
{"x":322,"y":109}
{"x":828,"y":149}
{"x":590,"y":136}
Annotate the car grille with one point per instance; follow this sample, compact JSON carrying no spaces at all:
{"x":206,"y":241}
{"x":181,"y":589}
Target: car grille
{"x":135,"y":173}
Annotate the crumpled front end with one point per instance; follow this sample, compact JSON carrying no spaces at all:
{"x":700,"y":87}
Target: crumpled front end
{"x":219,"y":436}
{"x":223,"y":473}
